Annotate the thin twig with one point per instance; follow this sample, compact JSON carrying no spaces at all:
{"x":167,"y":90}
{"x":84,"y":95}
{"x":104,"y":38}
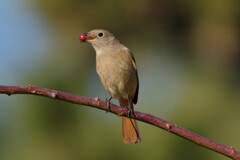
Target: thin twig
{"x":147,"y":118}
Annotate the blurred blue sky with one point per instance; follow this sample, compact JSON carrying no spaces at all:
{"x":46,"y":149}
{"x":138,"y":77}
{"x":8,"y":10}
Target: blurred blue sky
{"x":22,"y":41}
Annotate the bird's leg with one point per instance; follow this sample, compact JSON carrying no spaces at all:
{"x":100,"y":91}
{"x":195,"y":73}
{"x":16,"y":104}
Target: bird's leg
{"x":130,"y":111}
{"x":109,"y":102}
{"x":130,"y":108}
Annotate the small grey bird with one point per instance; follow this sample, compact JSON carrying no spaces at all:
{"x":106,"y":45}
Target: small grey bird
{"x":116,"y":67}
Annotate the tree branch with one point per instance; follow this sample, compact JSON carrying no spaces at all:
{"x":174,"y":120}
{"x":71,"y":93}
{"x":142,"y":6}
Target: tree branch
{"x":147,"y":118}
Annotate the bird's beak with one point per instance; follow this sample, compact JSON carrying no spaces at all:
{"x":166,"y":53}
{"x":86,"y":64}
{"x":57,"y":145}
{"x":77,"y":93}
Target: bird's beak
{"x":90,"y":37}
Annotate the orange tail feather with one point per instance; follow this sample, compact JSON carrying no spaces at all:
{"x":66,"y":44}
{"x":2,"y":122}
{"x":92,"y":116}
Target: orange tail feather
{"x":130,"y":130}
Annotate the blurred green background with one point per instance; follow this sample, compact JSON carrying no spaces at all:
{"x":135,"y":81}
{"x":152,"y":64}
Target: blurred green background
{"x":188,"y":56}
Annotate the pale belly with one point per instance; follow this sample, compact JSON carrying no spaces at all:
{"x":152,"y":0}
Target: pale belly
{"x":118,"y":76}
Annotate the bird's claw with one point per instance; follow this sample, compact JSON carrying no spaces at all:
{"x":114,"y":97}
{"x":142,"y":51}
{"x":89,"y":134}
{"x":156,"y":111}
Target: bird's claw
{"x":108,"y":103}
{"x":130,"y":111}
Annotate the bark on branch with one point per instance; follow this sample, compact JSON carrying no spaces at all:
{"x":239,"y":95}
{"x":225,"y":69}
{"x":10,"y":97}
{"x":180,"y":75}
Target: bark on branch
{"x":147,"y":118}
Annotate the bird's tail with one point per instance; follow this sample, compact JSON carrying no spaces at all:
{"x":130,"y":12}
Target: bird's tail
{"x":130,"y":130}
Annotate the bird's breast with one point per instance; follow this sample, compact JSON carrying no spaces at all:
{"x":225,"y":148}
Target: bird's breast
{"x":117,"y":74}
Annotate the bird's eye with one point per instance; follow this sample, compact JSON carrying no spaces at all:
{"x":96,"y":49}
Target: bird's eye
{"x":100,"y":34}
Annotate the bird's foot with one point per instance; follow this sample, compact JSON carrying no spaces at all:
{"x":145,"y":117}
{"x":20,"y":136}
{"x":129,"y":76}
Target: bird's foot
{"x":130,"y":111}
{"x":108,"y":103}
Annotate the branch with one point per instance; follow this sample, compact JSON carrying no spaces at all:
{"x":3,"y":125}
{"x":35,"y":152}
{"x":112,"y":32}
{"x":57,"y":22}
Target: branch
{"x":147,"y":118}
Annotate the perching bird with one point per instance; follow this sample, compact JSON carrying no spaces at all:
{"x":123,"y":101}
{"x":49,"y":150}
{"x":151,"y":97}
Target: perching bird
{"x":116,"y":67}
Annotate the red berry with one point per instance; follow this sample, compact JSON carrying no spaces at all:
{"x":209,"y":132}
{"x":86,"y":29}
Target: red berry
{"x":83,"y":37}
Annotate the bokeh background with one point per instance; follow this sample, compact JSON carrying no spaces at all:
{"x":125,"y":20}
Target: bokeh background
{"x":188,"y":56}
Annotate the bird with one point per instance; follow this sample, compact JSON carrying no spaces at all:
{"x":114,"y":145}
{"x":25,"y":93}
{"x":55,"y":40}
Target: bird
{"x":116,"y":67}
